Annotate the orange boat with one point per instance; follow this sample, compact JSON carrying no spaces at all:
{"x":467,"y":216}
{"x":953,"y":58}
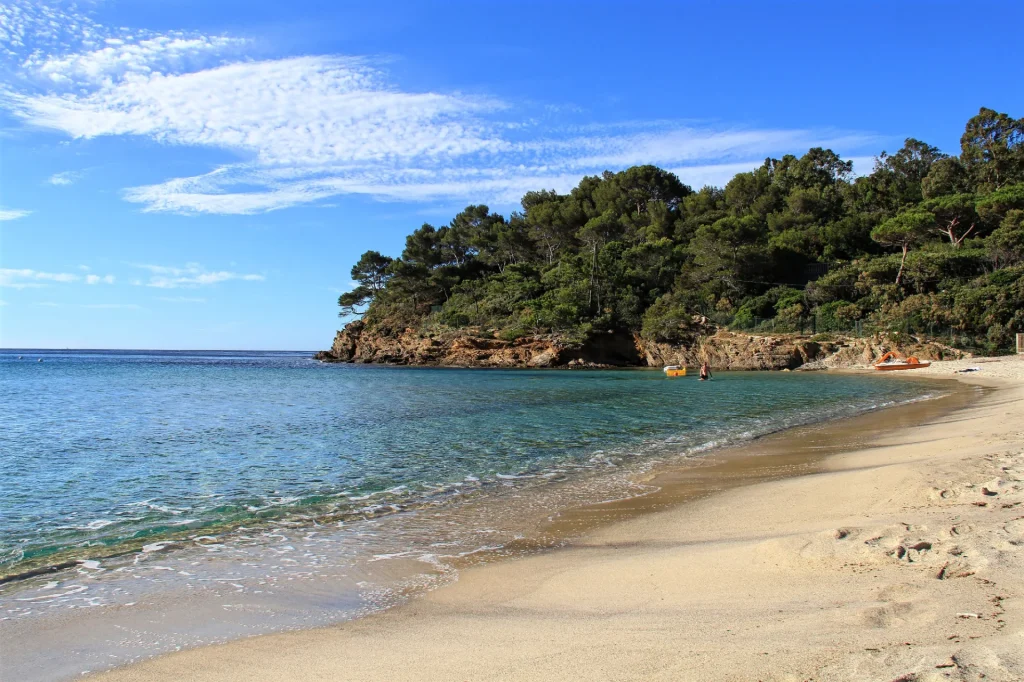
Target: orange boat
{"x":892,"y":361}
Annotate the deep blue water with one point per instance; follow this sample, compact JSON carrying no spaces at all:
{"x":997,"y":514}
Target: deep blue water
{"x":102,"y":447}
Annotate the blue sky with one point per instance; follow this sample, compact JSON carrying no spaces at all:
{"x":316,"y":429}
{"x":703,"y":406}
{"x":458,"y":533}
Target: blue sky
{"x":189,"y":174}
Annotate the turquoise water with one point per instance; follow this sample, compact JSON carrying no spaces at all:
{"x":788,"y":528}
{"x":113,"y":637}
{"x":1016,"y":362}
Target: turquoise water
{"x":99,"y":449}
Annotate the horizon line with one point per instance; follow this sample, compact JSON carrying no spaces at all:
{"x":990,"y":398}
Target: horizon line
{"x":177,"y":350}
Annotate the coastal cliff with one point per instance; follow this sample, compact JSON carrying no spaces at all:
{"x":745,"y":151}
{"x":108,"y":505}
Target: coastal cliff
{"x":722,"y":349}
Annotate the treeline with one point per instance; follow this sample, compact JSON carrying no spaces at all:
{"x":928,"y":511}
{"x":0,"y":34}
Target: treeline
{"x":932,"y":239}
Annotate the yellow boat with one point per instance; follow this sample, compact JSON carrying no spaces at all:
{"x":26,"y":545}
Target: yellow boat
{"x":674,"y":371}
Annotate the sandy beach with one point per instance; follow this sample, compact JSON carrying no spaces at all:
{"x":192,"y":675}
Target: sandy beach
{"x":902,"y":559}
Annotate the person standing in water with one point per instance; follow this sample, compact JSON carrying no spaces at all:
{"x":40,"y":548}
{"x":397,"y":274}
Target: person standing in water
{"x":705,"y":371}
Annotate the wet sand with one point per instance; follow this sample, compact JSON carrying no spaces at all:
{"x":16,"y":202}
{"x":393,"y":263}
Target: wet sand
{"x":897,"y":556}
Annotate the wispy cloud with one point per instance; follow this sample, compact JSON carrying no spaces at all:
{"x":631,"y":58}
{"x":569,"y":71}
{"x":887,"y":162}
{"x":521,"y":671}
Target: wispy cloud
{"x":25,"y":278}
{"x":12,"y":214}
{"x":58,"y":43}
{"x":319,"y":126}
{"x":191,"y":275}
{"x":65,"y":178}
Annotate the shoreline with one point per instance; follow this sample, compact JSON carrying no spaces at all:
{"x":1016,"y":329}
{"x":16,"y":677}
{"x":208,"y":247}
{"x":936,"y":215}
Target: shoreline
{"x":495,"y":587}
{"x":106,"y":550}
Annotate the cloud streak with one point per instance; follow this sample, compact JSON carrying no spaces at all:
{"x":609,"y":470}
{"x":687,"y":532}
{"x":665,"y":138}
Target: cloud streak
{"x":25,"y":278}
{"x":190,"y":276}
{"x":12,"y":214}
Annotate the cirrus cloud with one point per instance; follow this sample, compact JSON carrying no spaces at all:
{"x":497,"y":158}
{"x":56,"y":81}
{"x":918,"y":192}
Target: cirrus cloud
{"x":310,"y":127}
{"x":190,"y":276}
{"x":12,"y":214}
{"x":25,"y":278}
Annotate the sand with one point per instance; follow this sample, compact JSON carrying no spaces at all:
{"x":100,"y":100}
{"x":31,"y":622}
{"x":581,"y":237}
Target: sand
{"x":903,"y":560}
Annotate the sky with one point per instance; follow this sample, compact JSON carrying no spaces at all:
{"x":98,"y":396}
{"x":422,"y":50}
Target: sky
{"x":203,"y":174}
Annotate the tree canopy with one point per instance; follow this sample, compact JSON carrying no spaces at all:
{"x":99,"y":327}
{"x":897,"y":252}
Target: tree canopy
{"x":929,"y":237}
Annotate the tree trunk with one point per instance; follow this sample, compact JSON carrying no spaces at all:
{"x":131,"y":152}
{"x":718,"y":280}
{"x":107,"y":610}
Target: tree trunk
{"x":903,"y":261}
{"x":950,"y":231}
{"x":963,"y":237}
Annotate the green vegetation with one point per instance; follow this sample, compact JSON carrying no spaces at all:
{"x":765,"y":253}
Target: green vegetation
{"x":926,"y":241}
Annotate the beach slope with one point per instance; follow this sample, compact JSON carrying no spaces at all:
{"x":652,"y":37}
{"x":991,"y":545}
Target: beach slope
{"x":902,"y":560}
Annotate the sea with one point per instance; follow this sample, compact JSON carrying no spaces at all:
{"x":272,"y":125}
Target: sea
{"x":156,"y":500}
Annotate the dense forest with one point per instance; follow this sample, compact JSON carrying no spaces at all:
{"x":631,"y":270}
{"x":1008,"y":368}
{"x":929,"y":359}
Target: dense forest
{"x":926,"y":242}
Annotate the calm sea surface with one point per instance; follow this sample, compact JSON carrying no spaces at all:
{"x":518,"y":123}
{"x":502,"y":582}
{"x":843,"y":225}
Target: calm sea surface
{"x":101,"y":451}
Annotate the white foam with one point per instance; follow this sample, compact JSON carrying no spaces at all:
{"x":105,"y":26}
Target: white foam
{"x":75,"y":589}
{"x":155,"y":546}
{"x":396,"y":555}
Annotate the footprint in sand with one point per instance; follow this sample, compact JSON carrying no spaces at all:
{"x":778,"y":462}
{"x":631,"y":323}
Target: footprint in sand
{"x":887,"y":615}
{"x":912,"y":552}
{"x":960,"y":529}
{"x":955,"y":568}
{"x":896,"y":606}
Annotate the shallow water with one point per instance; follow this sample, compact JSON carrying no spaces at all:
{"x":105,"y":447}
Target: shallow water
{"x":198,"y":497}
{"x":100,"y":449}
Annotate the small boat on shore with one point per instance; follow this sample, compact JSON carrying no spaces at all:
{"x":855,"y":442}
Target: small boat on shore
{"x":892,"y":361}
{"x":674,"y":371}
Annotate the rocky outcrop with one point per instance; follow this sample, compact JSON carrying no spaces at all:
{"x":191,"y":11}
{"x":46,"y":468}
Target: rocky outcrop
{"x":478,"y":348}
{"x":728,"y":350}
{"x":721,"y":349}
{"x":732,"y":350}
{"x":861,"y":352}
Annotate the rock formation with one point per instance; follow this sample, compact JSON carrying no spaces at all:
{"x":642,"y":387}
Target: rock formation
{"x":723,"y":349}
